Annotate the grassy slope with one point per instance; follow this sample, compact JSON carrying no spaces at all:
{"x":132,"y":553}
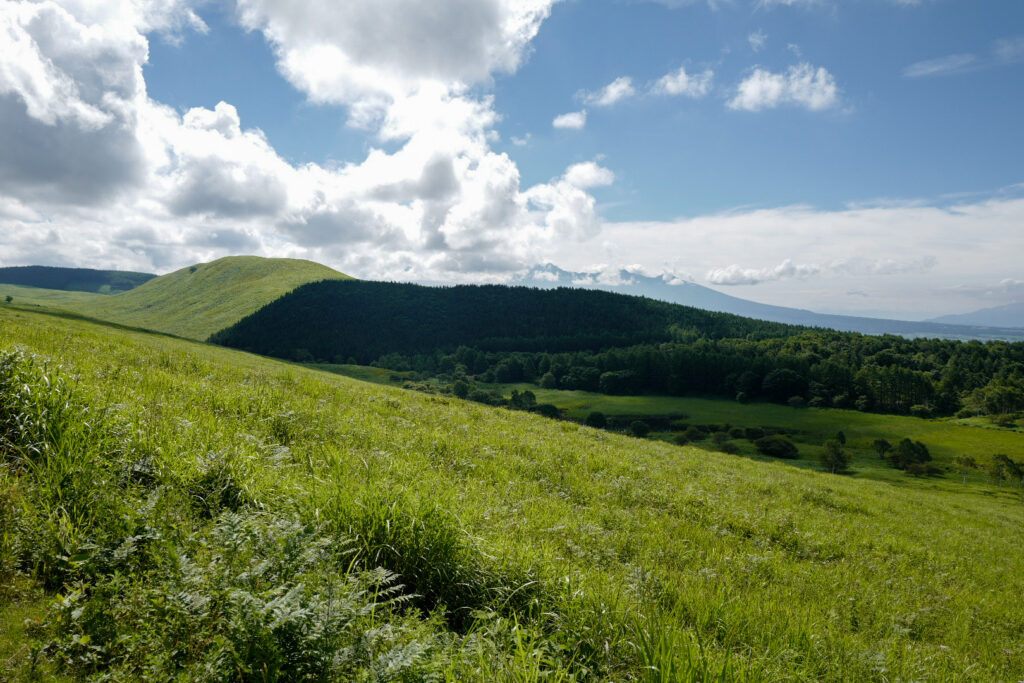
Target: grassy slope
{"x":193,"y":302}
{"x":786,"y":574}
{"x":51,"y":298}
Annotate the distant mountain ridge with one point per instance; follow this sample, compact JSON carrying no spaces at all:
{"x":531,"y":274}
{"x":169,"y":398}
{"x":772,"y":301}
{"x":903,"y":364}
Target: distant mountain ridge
{"x":1009,"y":315}
{"x":74,"y":279}
{"x":698,"y":296}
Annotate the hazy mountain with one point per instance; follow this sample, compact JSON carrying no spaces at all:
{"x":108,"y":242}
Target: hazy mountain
{"x":692,"y":294}
{"x":1010,"y":315}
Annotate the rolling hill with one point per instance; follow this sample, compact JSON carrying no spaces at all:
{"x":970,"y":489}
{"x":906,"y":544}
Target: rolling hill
{"x":193,"y":302}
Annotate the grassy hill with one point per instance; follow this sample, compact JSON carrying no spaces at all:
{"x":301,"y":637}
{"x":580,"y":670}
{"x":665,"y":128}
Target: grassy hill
{"x":193,"y":302}
{"x":184,"y":510}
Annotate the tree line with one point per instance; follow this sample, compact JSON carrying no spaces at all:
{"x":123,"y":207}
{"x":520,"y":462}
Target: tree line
{"x":621,"y":345}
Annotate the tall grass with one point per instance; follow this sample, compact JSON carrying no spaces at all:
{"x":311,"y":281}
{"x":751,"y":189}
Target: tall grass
{"x":199,"y":512}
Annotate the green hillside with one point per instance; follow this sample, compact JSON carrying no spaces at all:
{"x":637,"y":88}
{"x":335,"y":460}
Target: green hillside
{"x":171,"y":509}
{"x":193,"y":302}
{"x":51,"y":298}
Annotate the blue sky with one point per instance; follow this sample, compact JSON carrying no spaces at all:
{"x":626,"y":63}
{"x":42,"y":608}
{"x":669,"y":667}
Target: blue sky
{"x":853,"y":157}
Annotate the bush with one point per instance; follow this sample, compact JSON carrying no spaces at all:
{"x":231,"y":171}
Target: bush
{"x":729,"y":447}
{"x":639,"y":428}
{"x":920,"y":411}
{"x":695,"y":433}
{"x":796,"y":402}
{"x":547,"y":410}
{"x":777,"y":447}
{"x":753,"y":433}
{"x":680,"y":440}
{"x":596,"y":419}
{"x":737,"y":433}
{"x":907,"y":453}
{"x":920,"y":469}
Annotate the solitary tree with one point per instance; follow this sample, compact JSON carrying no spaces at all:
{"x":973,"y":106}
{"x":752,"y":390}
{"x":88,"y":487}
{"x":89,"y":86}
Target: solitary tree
{"x":8,"y":298}
{"x":841,"y":438}
{"x":881,"y":447}
{"x":834,"y":457}
{"x":460,"y":389}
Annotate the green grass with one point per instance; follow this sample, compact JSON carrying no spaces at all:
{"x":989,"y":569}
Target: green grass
{"x":945,"y":438}
{"x":193,"y":302}
{"x":219,"y":487}
{"x":52,"y":298}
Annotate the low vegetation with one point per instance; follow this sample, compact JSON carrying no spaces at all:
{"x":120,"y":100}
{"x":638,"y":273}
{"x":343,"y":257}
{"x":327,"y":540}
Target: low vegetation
{"x":174,"y":509}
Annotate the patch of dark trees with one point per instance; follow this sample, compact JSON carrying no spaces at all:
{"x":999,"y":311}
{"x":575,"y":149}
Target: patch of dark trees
{"x":623,"y":345}
{"x":73,"y":279}
{"x":362,"y":321}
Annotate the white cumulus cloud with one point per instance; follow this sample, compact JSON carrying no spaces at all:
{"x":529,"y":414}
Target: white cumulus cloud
{"x":95,"y":172}
{"x":801,"y":85}
{"x":737,"y":275}
{"x":619,"y":89}
{"x":588,"y":174}
{"x":574,"y":120}
{"x":680,"y":82}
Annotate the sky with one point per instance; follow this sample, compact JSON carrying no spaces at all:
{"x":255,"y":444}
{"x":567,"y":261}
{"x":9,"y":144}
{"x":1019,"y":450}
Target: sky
{"x":845,"y":156}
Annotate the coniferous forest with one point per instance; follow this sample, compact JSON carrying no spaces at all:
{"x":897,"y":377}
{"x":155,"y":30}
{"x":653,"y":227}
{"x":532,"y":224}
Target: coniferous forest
{"x":616,"y":344}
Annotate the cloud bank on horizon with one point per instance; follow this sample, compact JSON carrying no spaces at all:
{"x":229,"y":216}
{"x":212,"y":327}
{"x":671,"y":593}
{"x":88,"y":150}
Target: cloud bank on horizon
{"x":97,"y":172}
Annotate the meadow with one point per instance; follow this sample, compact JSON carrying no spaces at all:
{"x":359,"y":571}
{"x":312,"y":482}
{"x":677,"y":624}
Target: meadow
{"x":170,"y":509}
{"x":946,"y":438}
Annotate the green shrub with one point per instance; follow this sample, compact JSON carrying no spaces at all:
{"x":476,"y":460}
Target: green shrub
{"x":695,"y":433}
{"x":639,"y":428}
{"x":777,"y":446}
{"x":597,"y":419}
{"x":753,"y":433}
{"x":547,"y":410}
